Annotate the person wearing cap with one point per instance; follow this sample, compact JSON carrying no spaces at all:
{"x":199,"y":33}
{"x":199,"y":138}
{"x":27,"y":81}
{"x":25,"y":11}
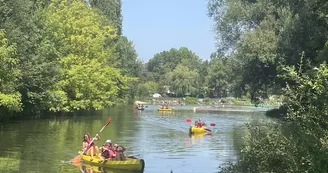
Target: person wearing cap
{"x":106,"y":151}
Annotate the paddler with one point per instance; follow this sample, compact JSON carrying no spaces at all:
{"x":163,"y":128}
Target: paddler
{"x":88,"y":145}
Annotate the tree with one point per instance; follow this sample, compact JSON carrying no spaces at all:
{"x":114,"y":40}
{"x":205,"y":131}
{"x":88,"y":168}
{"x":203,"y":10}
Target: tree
{"x":184,"y":81}
{"x":112,"y":9}
{"x":10,"y":98}
{"x":87,"y":80}
{"x":22,"y":21}
{"x":218,"y":77}
{"x":264,"y":35}
{"x":166,"y":61}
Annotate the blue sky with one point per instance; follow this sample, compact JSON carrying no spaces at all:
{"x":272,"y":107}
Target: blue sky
{"x":158,"y":25}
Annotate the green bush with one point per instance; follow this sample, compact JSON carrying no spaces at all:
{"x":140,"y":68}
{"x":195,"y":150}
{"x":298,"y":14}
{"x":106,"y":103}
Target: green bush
{"x":224,"y":100}
{"x":299,"y":144}
{"x":207,"y":100}
{"x":191,"y":100}
{"x":235,"y":101}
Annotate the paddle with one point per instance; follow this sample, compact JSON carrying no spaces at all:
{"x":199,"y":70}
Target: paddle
{"x":78,"y":157}
{"x":211,"y":124}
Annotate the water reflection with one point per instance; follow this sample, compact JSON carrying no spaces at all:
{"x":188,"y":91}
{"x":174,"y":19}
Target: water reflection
{"x":87,"y":168}
{"x":199,"y":135}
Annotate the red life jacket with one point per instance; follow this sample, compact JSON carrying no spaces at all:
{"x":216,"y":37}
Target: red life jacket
{"x":105,"y":152}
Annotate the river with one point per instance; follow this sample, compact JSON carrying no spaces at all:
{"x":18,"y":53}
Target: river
{"x":48,"y":143}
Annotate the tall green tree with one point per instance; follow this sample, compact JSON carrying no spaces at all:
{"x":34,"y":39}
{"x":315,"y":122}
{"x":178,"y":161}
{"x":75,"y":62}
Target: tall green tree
{"x":218,"y":78}
{"x":165,"y":62}
{"x":87,"y":79}
{"x":184,"y":81}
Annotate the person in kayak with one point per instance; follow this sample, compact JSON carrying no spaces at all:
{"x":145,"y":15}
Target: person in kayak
{"x":106,"y":151}
{"x":197,"y":124}
{"x":88,"y":145}
{"x":119,"y":152}
{"x":201,"y":123}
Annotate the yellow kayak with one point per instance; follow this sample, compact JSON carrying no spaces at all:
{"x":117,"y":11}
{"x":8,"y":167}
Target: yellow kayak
{"x":129,"y":164}
{"x":165,"y":109}
{"x":194,"y":129}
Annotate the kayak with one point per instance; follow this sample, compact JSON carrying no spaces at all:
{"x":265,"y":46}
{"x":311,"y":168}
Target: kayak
{"x":131,"y":164}
{"x":169,"y":109}
{"x":141,"y":109}
{"x":194,"y":129}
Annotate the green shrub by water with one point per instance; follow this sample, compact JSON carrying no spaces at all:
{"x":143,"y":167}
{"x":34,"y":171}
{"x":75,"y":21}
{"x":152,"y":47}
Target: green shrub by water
{"x":299,"y":144}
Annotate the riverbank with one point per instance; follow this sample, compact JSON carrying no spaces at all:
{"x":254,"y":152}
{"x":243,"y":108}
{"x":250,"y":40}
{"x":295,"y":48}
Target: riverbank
{"x":214,"y":105}
{"x":214,"y":109}
{"x":271,"y":102}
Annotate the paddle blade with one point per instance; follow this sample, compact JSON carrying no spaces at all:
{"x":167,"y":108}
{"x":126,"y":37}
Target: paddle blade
{"x":212,"y":124}
{"x":108,"y":121}
{"x":209,"y":130}
{"x":76,"y":159}
{"x":188,"y":120}
{"x":106,"y":124}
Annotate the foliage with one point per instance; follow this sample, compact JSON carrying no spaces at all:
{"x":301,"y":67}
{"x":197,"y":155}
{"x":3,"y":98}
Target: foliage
{"x":183,"y":81}
{"x":127,"y":60}
{"x":191,"y":100}
{"x":147,"y":89}
{"x":87,"y":80}
{"x":9,"y":97}
{"x":67,"y":56}
{"x":218,"y":78}
{"x":112,"y":9}
{"x":166,"y":61}
{"x":267,"y":148}
{"x":300,"y":144}
{"x":263,"y":36}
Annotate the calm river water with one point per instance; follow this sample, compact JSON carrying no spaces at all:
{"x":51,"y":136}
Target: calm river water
{"x":160,"y":138}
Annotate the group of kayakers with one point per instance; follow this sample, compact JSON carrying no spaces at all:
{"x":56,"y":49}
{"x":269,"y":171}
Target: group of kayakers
{"x":164,"y":107}
{"x":200,"y":123}
{"x":105,"y":152}
{"x":139,"y":106}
